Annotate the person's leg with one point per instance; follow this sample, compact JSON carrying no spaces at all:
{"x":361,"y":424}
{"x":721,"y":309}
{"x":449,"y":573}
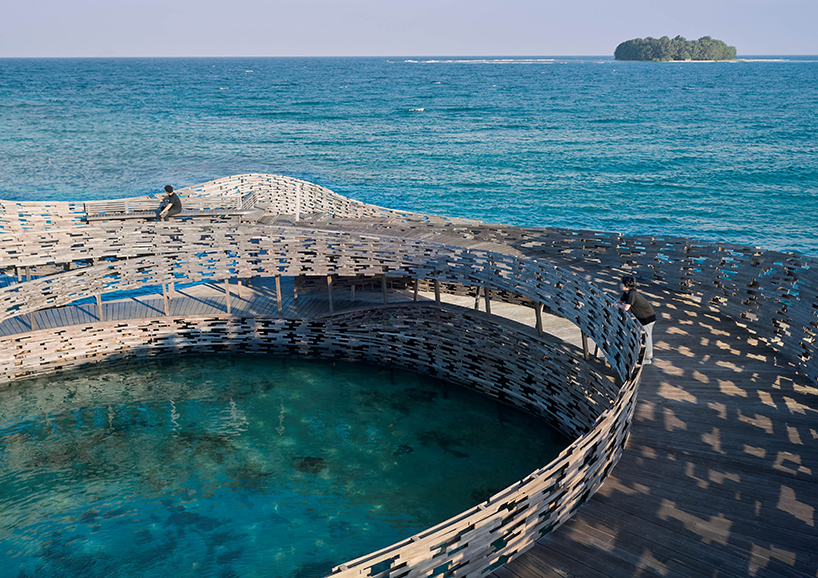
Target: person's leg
{"x":173,"y":211}
{"x":648,"y":342}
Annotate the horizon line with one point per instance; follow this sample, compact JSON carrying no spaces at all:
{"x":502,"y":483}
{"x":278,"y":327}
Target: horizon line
{"x":426,"y":56}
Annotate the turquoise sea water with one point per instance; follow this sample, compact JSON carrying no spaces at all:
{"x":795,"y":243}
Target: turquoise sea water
{"x":209,"y":467}
{"x":717,"y":151}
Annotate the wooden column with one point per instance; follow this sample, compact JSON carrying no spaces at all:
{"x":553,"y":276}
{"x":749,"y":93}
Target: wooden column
{"x":383,"y":290}
{"x":477,"y":299}
{"x":486,"y":293}
{"x":238,"y":281}
{"x":584,"y":346}
{"x":31,"y":321}
{"x":297,"y":202}
{"x":538,"y":314}
{"x":437,"y":292}
{"x":99,"y":306}
{"x":352,"y":293}
{"x":278,"y":292}
{"x":227,"y":293}
{"x":329,"y":294}
{"x":165,"y":297}
{"x":417,"y":284}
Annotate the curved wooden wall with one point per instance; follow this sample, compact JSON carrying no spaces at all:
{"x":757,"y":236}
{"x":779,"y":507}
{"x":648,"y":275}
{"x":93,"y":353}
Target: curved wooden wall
{"x":774,"y":294}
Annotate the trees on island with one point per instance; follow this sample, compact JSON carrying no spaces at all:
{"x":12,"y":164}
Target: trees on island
{"x":664,"y":48}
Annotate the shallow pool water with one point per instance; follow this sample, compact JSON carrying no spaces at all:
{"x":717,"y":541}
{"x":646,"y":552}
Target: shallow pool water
{"x":243,"y":466}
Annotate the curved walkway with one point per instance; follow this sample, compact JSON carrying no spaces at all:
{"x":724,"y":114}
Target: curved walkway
{"x":719,"y":475}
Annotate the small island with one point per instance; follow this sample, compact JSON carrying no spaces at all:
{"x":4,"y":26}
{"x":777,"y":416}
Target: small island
{"x":664,"y":49}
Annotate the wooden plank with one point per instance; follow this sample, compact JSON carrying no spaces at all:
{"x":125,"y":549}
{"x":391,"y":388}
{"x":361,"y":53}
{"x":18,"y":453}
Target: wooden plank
{"x":329,"y":295}
{"x":278,"y":293}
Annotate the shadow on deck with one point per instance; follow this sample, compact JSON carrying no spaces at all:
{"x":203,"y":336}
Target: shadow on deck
{"x":719,"y":474}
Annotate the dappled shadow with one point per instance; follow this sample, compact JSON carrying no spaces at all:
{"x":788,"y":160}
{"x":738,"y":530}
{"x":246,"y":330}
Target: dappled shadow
{"x":719,"y":474}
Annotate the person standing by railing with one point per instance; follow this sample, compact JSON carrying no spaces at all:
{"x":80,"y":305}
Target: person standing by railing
{"x":173,"y":205}
{"x":641,"y":309}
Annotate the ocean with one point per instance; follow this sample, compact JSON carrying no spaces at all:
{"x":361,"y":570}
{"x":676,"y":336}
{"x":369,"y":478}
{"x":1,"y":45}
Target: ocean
{"x":713,"y":151}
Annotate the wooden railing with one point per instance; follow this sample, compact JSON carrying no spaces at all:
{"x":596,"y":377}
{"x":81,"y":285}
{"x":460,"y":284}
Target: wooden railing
{"x":774,"y":294}
{"x":515,"y":367}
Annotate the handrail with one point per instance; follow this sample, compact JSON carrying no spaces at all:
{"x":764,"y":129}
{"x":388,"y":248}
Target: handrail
{"x":298,"y":252}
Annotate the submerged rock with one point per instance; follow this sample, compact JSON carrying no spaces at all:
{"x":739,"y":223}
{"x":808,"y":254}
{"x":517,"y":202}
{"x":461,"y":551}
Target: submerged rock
{"x":311,"y":465}
{"x":402,"y":450}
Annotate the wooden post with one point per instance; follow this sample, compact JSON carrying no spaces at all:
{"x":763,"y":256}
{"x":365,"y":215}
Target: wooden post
{"x":584,"y":346}
{"x":437,"y":292}
{"x":329,"y":294}
{"x":238,"y":280}
{"x":477,"y":299}
{"x":165,"y":298}
{"x":19,"y":276}
{"x":417,"y":284}
{"x":487,"y":293}
{"x":353,"y":293}
{"x":297,"y":202}
{"x":227,"y":293}
{"x":383,"y":290}
{"x":99,"y":306}
{"x":31,"y":321}
{"x":538,"y":313}
{"x":28,"y":273}
{"x":278,"y":292}
{"x":295,"y":287}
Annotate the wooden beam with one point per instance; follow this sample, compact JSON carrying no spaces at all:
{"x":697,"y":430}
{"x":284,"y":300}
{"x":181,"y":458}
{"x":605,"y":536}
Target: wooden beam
{"x":584,"y":346}
{"x":227,"y":293}
{"x":278,"y":292}
{"x":297,"y":202}
{"x":329,"y":294}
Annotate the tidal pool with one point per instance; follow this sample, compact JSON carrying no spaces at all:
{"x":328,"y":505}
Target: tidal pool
{"x":243,"y":466}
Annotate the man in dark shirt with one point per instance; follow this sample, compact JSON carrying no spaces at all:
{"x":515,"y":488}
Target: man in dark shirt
{"x":641,"y":309}
{"x":173,"y":205}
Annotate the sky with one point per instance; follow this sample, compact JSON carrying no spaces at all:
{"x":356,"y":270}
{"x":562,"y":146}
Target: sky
{"x":116,"y":28}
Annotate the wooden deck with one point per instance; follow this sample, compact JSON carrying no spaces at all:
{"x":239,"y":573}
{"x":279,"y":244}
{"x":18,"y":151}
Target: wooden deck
{"x":719,"y":474}
{"x":259,"y":299}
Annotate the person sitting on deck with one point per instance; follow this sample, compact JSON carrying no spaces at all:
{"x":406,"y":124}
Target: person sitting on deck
{"x":641,"y":309}
{"x":172,"y":205}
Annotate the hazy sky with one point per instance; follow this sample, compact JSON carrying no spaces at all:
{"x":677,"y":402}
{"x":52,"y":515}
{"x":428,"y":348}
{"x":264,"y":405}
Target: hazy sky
{"x":394,"y":27}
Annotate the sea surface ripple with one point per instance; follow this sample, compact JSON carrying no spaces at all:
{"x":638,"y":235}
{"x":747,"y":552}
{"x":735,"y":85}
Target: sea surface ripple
{"x":712,"y":151}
